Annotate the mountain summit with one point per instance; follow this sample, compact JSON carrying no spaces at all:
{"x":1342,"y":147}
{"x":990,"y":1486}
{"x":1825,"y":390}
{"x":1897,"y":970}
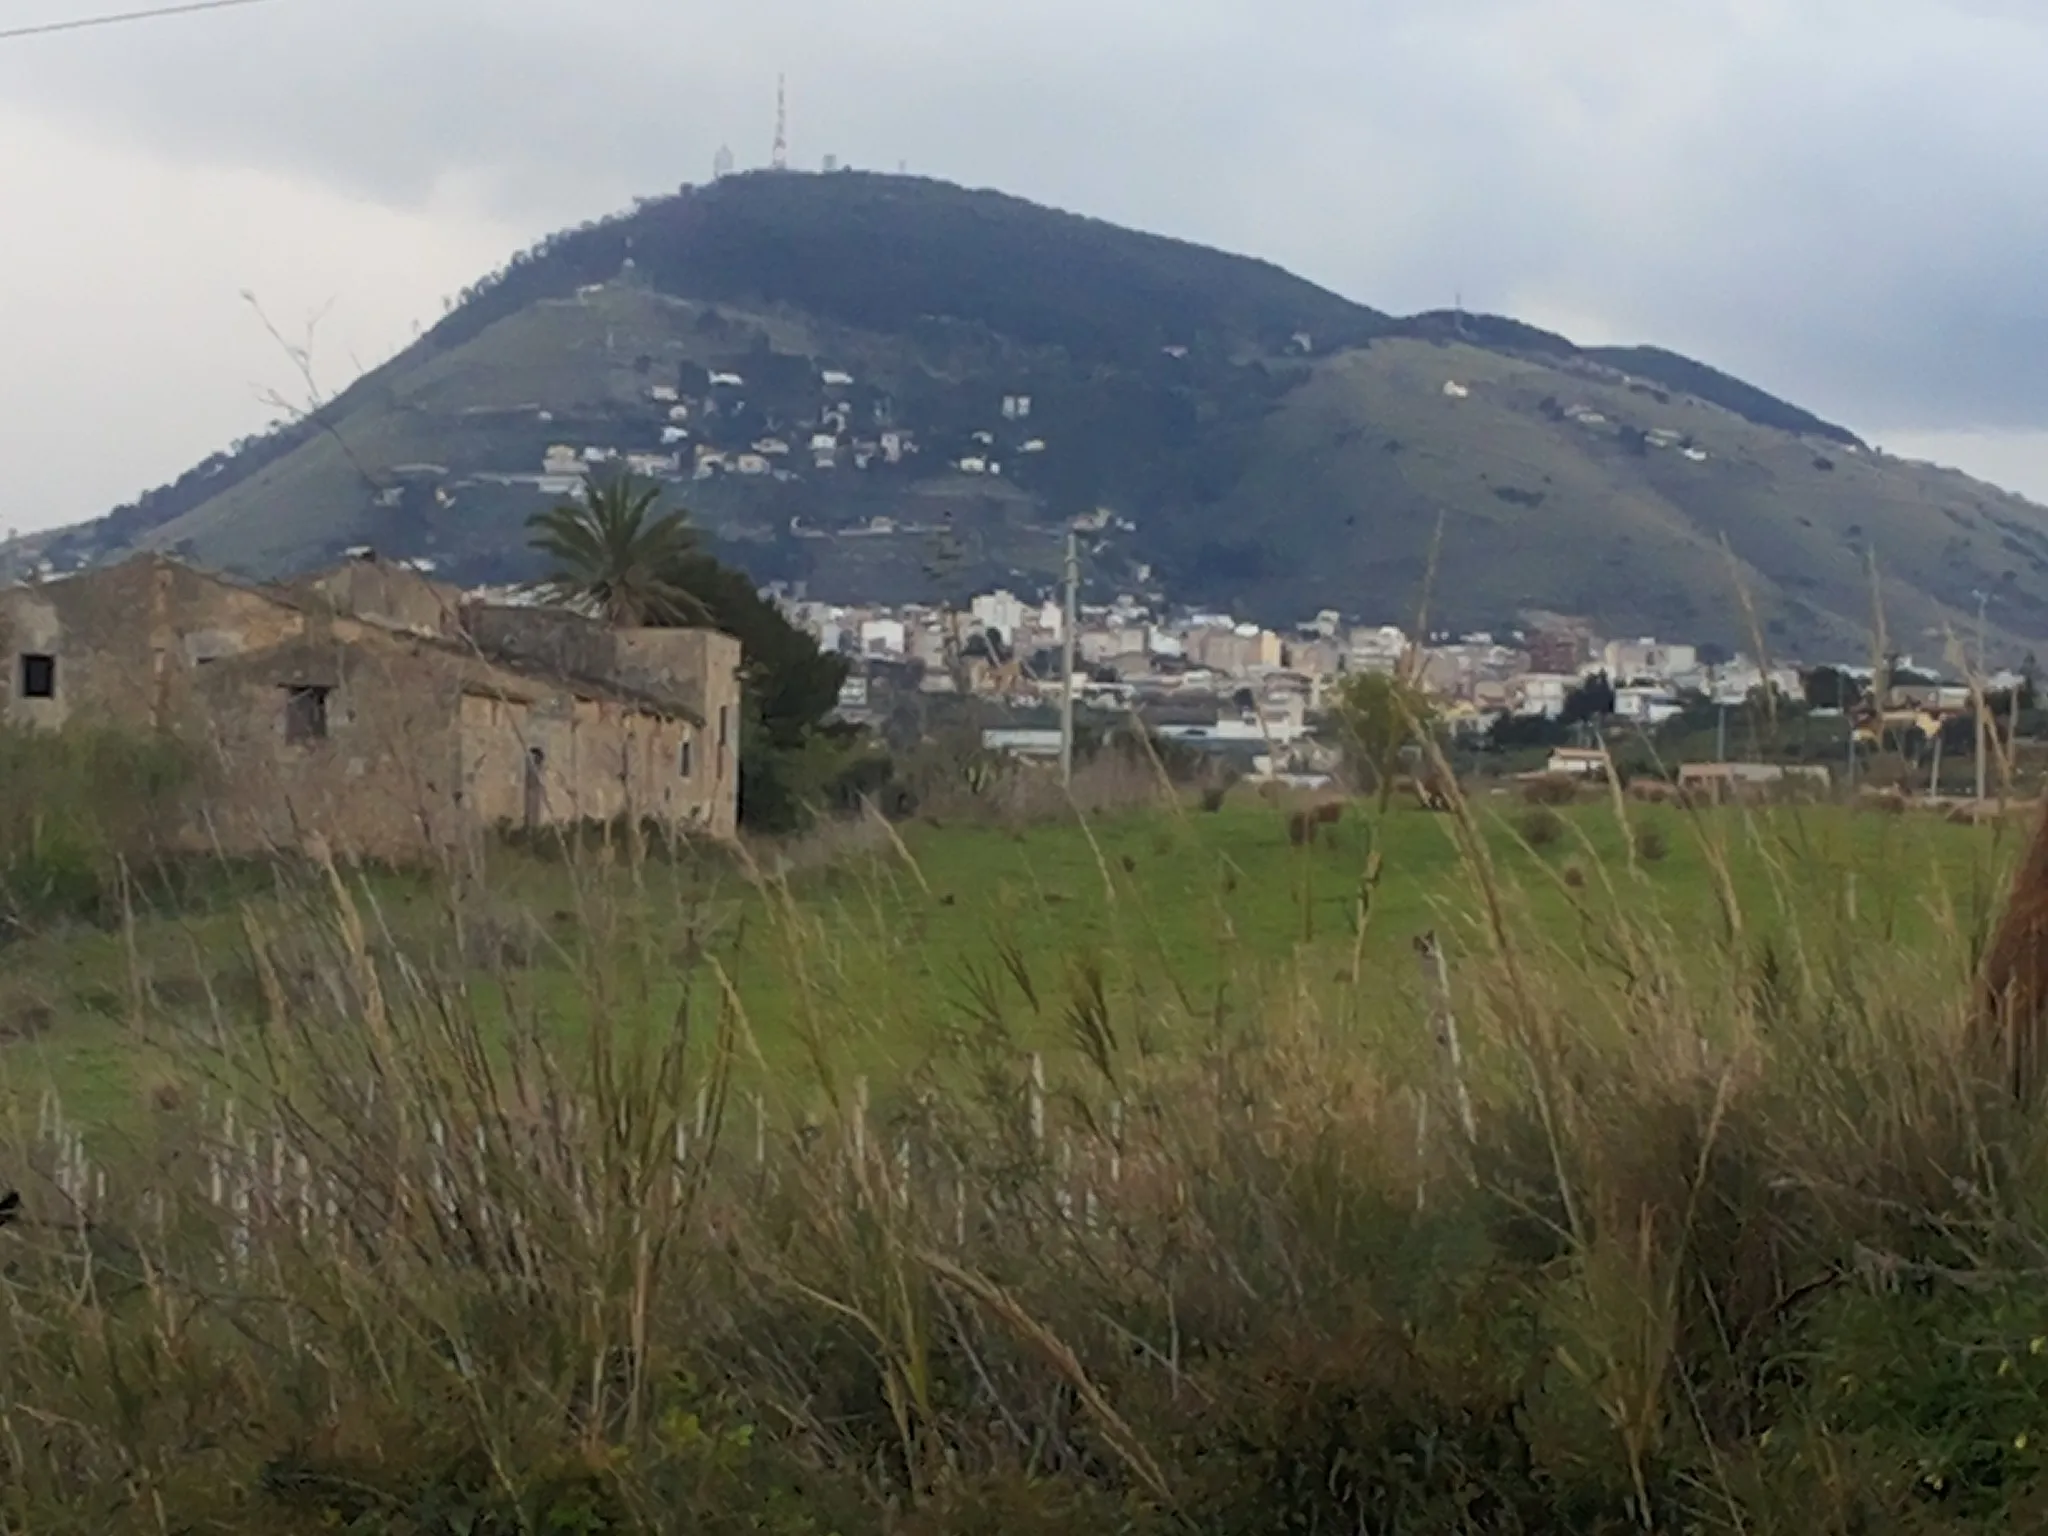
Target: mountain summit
{"x":894,"y":388}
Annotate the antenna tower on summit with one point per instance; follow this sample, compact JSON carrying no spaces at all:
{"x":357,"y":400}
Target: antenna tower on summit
{"x":781,"y":158}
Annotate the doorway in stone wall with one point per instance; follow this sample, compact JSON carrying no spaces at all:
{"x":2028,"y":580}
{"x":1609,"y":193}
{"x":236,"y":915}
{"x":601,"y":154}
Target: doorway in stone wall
{"x":536,"y":788}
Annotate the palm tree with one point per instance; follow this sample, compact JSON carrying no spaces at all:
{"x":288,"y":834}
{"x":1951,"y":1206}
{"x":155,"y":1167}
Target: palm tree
{"x":614,"y":552}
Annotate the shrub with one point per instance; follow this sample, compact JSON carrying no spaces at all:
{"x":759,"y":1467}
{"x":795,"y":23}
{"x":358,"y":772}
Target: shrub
{"x":1551,"y":789}
{"x":1214,"y":796}
{"x":1652,"y":847}
{"x":1541,"y":827}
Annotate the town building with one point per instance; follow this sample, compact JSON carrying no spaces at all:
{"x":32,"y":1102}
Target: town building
{"x":1559,"y":650}
{"x":1577,"y":762}
{"x":1626,"y":660}
{"x":1002,"y":612}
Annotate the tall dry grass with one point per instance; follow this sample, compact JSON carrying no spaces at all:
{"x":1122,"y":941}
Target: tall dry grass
{"x":80,"y":812}
{"x":1690,"y":1232}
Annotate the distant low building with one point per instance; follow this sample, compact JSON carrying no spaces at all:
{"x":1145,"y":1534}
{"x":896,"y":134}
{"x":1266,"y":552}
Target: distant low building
{"x":882,"y":637}
{"x":1578,"y":762}
{"x":1000,"y":611}
{"x":853,"y":699}
{"x":1722,"y":777}
{"x":1559,"y":651}
{"x":1626,"y":660}
{"x":1022,"y":741}
{"x":1646,"y":706}
{"x":1544,"y":693}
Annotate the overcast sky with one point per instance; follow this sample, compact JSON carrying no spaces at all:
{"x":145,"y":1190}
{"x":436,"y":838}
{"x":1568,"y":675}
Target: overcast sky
{"x":1839,"y":200}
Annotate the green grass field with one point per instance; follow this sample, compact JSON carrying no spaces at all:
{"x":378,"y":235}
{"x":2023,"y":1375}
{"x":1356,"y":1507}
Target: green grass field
{"x":1184,"y":914}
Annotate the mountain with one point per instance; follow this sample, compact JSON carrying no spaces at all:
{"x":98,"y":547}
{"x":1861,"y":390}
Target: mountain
{"x":977,"y":371}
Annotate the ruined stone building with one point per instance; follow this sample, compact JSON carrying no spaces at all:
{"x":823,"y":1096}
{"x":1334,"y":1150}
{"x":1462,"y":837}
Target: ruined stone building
{"x":378,"y":708}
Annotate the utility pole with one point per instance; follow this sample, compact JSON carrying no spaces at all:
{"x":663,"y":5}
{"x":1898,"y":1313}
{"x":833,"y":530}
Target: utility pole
{"x":1068,"y":628}
{"x":1721,"y":735}
{"x":1977,"y":702}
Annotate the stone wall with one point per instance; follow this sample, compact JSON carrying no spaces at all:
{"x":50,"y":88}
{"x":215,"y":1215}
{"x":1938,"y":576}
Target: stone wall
{"x":127,"y":641}
{"x":590,"y":760}
{"x":384,"y":593}
{"x":389,"y":741}
{"x":548,"y":639}
{"x":697,"y":668}
{"x":702,"y":668}
{"x":420,"y":748}
{"x":379,"y":777}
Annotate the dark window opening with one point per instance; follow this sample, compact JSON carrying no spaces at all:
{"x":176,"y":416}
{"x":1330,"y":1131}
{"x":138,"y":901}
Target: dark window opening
{"x":305,"y":714}
{"x":724,"y":711}
{"x":38,"y":676}
{"x":684,"y":766}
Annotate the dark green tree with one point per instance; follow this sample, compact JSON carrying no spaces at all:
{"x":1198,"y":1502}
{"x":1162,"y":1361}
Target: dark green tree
{"x":1593,"y":699}
{"x":794,"y":760}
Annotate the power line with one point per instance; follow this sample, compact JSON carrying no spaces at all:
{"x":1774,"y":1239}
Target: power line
{"x":39,"y":29}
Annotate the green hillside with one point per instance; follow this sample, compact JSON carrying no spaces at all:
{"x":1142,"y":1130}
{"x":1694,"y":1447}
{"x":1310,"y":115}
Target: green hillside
{"x":1255,"y":440}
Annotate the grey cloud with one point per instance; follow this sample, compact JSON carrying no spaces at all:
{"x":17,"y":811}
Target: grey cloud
{"x":1835,"y":199}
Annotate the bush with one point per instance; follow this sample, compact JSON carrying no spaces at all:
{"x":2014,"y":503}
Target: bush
{"x":1214,"y":796}
{"x":1541,"y":827}
{"x":1551,"y":789}
{"x":1652,"y":847}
